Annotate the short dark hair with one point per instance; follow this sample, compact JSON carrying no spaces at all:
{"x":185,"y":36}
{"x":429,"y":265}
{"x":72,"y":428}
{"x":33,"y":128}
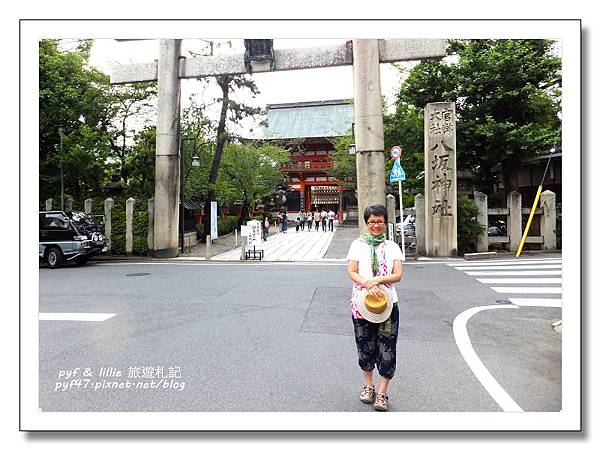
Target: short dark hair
{"x":375,"y":210}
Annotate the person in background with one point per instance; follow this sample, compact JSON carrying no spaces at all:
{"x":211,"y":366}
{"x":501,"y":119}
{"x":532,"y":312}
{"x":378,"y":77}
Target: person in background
{"x":330,"y":216}
{"x":298,"y":222}
{"x":317,"y":218}
{"x":374,"y":265}
{"x":265,"y":224}
{"x":284,"y":223}
{"x":302,"y":219}
{"x":309,"y":220}
{"x":324,"y":220}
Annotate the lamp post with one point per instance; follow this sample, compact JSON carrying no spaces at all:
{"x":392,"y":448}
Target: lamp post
{"x":195,"y":163}
{"x":62,"y":182}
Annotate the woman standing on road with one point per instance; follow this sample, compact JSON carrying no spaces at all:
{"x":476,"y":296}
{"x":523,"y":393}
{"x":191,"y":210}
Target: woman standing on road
{"x":374,"y":265}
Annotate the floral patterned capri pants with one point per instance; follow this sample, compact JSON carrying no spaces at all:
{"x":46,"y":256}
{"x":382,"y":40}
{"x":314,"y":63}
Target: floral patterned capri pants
{"x":377,"y":346}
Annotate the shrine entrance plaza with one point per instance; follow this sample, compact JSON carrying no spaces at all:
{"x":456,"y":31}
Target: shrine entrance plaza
{"x":294,"y":245}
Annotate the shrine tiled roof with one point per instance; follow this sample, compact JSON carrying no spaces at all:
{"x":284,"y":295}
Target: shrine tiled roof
{"x":329,"y":118}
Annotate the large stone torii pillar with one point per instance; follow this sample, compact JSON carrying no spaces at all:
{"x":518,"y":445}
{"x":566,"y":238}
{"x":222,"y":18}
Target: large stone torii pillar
{"x":365,"y":54}
{"x":166,"y":184}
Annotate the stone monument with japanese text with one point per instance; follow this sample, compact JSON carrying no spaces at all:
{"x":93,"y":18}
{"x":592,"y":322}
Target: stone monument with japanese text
{"x":440,"y":180}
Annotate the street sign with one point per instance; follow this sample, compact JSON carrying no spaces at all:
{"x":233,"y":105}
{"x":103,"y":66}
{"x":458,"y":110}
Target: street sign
{"x":214,"y":230}
{"x":395,"y":152}
{"x":397,"y":173}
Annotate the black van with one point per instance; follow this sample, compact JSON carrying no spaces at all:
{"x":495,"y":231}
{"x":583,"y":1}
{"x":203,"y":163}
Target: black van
{"x":72,"y":237}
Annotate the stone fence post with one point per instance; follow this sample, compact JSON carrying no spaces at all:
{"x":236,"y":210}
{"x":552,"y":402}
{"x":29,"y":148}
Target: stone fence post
{"x":481,"y":201}
{"x":151,"y":225}
{"x":109,"y":204}
{"x":515,"y":220}
{"x":49,"y":204}
{"x":129,"y":207}
{"x":420,"y":223}
{"x":548,"y":220}
{"x":69,"y":204}
{"x":87,"y":206}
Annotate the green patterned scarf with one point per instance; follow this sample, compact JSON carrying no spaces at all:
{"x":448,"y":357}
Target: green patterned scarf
{"x":373,"y":241}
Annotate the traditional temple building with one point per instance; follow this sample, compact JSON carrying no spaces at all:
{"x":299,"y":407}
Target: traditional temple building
{"x":307,"y":130}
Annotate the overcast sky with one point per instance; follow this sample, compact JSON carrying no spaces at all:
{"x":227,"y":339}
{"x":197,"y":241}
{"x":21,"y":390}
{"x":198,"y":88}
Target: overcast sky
{"x":276,"y":87}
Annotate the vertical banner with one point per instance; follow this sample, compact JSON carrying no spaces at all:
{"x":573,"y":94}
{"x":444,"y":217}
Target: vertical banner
{"x":440,"y":180}
{"x":214,"y":230}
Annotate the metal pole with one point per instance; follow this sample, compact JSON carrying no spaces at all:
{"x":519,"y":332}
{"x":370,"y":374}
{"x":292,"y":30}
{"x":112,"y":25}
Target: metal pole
{"x":533,"y":208}
{"x":62,"y":183}
{"x":181,"y":193}
{"x":401,"y":215}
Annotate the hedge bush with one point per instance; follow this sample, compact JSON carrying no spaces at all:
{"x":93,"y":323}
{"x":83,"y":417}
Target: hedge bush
{"x":468,"y":227}
{"x":140,"y":222}
{"x":226,"y":226}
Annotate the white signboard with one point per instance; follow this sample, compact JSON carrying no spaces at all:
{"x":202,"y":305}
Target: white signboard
{"x":244,"y":231}
{"x":254,"y":233}
{"x":214,"y":230}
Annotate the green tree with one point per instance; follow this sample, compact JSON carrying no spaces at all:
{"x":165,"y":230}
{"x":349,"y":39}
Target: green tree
{"x":97,"y":120}
{"x":71,"y":97}
{"x":130,"y":106}
{"x":507,"y":95}
{"x":249,"y":173}
{"x":233,"y":112}
{"x":343,"y":164}
{"x":405,"y":128}
{"x":468,"y":229}
{"x":139,"y":163}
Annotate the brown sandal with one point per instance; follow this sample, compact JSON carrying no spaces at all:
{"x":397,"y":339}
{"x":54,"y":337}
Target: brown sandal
{"x":381,"y":402}
{"x":368,"y":394}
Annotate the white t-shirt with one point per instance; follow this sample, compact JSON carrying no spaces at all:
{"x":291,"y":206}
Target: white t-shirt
{"x":361,"y":252}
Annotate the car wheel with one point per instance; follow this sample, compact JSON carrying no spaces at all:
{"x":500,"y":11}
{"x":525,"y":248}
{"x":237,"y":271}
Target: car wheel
{"x":54,"y":257}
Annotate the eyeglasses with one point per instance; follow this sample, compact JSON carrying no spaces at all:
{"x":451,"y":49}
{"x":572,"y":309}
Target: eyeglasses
{"x":376,"y":222}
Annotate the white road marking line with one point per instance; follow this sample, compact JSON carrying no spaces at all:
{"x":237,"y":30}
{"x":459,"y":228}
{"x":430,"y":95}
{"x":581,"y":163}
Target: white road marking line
{"x":516,"y":272}
{"x":508,"y":261}
{"x":84,"y":317}
{"x":465,"y":347}
{"x":520,"y":280}
{"x":545,"y":302}
{"x":527,"y":290}
{"x":549,"y":266}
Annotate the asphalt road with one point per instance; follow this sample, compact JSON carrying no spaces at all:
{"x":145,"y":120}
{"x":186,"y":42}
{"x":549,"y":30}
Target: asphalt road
{"x":198,"y":336}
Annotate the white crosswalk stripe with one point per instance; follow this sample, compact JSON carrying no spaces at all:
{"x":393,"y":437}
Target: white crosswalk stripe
{"x":521,"y":279}
{"x":517,"y":272}
{"x":504,"y":262}
{"x":525,"y":266}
